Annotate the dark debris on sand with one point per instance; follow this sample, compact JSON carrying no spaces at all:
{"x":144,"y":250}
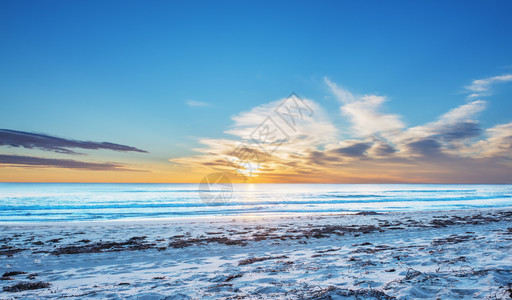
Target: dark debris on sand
{"x":231,"y":277}
{"x":25,"y":286}
{"x":453,"y":239}
{"x":9,"y":250}
{"x":368,"y":213}
{"x":325,"y":231}
{"x":261,"y":233}
{"x":13,"y":273}
{"x":258,"y":259}
{"x":182,"y":243}
{"x":335,"y":293}
{"x":133,"y":244}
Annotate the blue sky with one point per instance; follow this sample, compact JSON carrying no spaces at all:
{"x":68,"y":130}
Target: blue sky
{"x":127,"y":71}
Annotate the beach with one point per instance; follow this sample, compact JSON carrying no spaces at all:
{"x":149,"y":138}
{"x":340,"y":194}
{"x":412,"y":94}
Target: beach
{"x":360,"y":255}
{"x":255,"y":150}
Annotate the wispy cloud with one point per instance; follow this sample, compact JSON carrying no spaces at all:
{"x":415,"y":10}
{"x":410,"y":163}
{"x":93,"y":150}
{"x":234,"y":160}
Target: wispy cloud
{"x":446,"y":134}
{"x":381,"y":149}
{"x":497,"y":143}
{"x":313,"y":130}
{"x":364,"y":112}
{"x":482,"y":87}
{"x":194,"y":103}
{"x":46,"y":142}
{"x":32,"y":161}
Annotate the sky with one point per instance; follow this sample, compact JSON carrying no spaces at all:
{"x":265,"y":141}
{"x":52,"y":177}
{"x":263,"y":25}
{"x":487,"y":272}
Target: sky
{"x":170,"y":91}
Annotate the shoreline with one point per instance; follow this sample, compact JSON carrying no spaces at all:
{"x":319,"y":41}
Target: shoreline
{"x":446,"y":254}
{"x":267,"y":216}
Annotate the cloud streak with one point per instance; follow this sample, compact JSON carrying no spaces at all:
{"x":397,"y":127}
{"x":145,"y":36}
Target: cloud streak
{"x":446,"y":134}
{"x":364,"y":112}
{"x":32,"y":161}
{"x":481,"y":87}
{"x":46,"y":142}
{"x":194,"y":103}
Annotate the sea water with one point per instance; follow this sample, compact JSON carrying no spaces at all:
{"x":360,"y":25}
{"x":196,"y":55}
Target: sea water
{"x":53,"y":202}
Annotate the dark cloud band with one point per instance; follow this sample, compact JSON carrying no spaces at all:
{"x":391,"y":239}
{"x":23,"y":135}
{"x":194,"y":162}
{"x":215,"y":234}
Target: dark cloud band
{"x":31,"y":161}
{"x":31,"y":140}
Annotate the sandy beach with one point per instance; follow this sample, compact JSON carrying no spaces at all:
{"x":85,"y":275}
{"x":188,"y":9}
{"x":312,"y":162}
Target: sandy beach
{"x":255,"y":149}
{"x":407,"y":255}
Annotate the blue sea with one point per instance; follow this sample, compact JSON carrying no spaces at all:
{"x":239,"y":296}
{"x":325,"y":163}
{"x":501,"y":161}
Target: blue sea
{"x":57,"y":202}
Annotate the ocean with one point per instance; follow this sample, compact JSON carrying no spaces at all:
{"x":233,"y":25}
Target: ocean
{"x":57,"y":202}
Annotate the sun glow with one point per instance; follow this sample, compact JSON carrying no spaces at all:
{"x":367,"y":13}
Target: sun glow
{"x":246,"y":168}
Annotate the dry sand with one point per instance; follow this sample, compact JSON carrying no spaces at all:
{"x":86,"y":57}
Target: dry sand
{"x":442,"y":254}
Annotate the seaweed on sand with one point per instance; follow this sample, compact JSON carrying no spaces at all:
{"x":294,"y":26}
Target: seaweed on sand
{"x":25,"y":286}
{"x":258,"y":259}
{"x":333,"y":292}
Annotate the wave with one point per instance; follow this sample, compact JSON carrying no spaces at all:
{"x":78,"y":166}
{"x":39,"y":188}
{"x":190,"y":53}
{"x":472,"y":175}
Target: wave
{"x":79,"y":202}
{"x":239,"y":203}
